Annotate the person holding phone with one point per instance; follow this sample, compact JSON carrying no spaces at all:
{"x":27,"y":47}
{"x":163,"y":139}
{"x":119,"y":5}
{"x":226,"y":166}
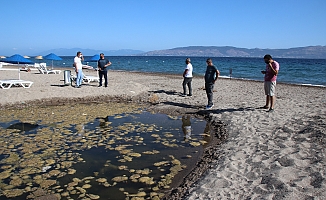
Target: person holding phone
{"x":272,"y":68}
{"x":79,"y":68}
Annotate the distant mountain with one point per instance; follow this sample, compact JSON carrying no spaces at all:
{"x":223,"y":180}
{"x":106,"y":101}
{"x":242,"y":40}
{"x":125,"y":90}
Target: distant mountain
{"x":91,"y":52}
{"x":317,"y":52}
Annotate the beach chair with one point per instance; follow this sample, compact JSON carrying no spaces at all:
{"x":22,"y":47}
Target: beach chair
{"x":7,"y":84}
{"x":36,"y":65}
{"x":89,"y":67}
{"x":43,"y":70}
{"x":86,"y":79}
{"x":28,"y":66}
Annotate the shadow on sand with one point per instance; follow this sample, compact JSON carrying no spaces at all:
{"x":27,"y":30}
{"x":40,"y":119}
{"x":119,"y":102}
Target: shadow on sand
{"x":203,"y":111}
{"x":170,"y":92}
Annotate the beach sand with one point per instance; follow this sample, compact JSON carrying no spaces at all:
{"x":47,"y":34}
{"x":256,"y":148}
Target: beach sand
{"x":279,"y":155}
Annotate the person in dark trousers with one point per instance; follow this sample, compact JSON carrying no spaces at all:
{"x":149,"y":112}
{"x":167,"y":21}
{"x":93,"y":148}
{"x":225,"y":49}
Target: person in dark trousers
{"x":102,"y":65}
{"x":187,"y":78}
{"x":211,"y":76}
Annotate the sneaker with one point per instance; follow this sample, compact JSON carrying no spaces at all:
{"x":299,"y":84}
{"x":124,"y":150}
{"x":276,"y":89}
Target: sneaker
{"x":189,"y":95}
{"x":270,"y":110}
{"x":99,"y":86}
{"x":183,"y":95}
{"x":209,"y":107}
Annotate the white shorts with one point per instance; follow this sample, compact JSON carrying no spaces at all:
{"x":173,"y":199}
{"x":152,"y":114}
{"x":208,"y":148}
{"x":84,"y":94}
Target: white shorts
{"x":269,"y":87}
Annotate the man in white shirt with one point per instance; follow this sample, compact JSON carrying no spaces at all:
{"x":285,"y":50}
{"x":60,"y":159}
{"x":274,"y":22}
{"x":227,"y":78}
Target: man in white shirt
{"x":187,"y":78}
{"x":79,"y":68}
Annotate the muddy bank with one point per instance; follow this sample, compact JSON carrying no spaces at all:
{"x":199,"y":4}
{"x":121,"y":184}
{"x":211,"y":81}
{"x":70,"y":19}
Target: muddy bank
{"x":207,"y":160}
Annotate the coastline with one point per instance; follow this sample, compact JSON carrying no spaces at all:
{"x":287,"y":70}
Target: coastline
{"x":248,"y":71}
{"x":267,"y":155}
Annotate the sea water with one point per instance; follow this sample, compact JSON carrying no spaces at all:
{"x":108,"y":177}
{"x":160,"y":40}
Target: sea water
{"x":292,"y":71}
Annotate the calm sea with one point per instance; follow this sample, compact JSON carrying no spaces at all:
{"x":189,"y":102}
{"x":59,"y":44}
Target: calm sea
{"x":293,"y":71}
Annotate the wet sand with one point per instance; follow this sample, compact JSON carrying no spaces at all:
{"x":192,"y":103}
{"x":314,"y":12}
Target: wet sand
{"x":279,"y":155}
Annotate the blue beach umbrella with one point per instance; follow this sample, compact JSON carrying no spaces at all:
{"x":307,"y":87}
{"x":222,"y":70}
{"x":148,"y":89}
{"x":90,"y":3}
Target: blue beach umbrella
{"x":94,"y":58}
{"x":17,"y":59}
{"x":52,"y":57}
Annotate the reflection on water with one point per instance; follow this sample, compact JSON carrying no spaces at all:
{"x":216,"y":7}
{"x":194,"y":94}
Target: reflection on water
{"x":132,"y":154}
{"x":186,"y":126}
{"x":23,"y":126}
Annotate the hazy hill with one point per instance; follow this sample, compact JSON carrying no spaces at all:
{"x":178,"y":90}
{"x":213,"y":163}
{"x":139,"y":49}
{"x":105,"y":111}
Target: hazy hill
{"x":91,"y":52}
{"x":318,"y":52}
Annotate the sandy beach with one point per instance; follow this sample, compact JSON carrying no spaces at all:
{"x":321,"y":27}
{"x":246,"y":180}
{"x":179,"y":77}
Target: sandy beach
{"x":279,"y":155}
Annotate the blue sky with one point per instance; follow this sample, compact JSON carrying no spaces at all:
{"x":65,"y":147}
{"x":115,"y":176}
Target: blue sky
{"x":33,"y":26}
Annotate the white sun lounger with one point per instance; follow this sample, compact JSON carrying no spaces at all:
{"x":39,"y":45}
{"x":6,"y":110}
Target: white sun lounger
{"x":87,"y":79}
{"x":48,"y":71}
{"x":43,"y":70}
{"x":6,"y":84}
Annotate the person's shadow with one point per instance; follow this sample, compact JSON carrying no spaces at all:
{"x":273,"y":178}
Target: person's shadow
{"x":203,"y":111}
{"x":219,"y":111}
{"x":182,"y":105}
{"x":170,"y":92}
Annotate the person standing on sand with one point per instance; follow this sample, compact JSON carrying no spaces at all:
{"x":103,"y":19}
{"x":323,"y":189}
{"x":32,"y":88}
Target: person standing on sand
{"x":187,"y":78}
{"x":79,"y":68}
{"x":211,"y":76}
{"x":272,"y":68}
{"x":102,"y":65}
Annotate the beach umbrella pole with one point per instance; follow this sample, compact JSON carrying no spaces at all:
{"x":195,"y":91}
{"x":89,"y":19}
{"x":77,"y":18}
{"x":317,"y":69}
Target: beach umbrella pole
{"x":18,"y":73}
{"x":52,"y":57}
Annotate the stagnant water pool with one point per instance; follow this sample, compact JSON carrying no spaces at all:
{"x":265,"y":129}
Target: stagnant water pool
{"x":96,"y":151}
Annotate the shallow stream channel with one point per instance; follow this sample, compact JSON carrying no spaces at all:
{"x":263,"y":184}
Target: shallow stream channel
{"x":96,"y":151}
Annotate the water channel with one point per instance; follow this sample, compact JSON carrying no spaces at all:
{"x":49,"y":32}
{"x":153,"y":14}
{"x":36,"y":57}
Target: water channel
{"x":96,"y":151}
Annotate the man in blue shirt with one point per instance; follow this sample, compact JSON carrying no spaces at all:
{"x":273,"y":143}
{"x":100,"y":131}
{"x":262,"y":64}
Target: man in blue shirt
{"x":211,"y":76}
{"x":102,"y":65}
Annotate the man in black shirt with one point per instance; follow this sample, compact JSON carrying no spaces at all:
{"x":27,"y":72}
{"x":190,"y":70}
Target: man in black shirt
{"x":210,"y":77}
{"x":102,"y":65}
